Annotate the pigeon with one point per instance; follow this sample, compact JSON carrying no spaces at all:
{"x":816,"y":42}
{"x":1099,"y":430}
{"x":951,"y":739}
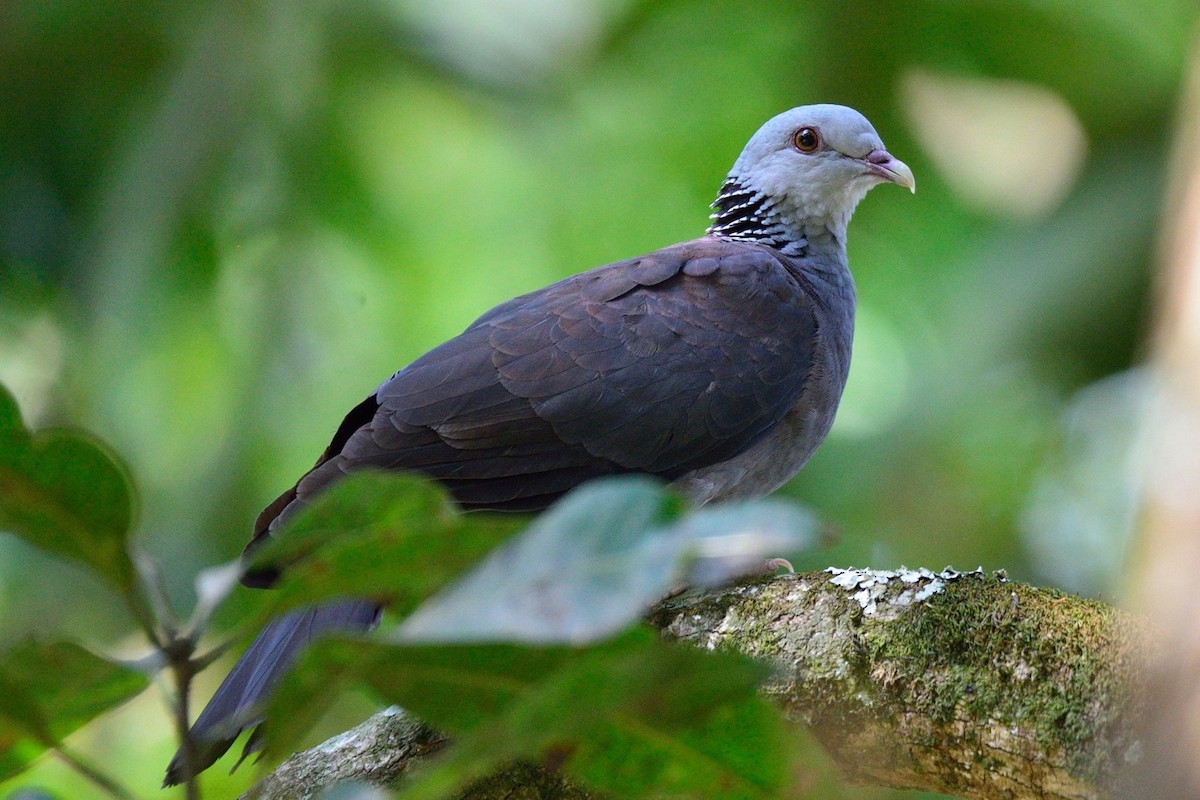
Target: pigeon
{"x":716,"y":365}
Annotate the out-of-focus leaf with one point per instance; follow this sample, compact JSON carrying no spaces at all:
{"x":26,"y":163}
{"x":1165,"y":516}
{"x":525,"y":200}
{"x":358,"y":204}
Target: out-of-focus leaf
{"x":718,"y":543}
{"x":27,"y":793}
{"x":599,"y":558}
{"x":352,"y":790}
{"x":213,"y":585}
{"x":64,"y":491}
{"x":632,"y":716}
{"x":455,"y":687}
{"x":394,"y":538}
{"x":635,"y":717}
{"x":585,"y":570}
{"x":49,"y":690}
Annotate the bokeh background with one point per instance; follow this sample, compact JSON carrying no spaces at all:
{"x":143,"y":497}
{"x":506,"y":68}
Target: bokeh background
{"x":222,"y":224}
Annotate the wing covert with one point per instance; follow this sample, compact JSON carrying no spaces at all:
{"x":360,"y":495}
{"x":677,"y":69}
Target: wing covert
{"x":661,"y":364}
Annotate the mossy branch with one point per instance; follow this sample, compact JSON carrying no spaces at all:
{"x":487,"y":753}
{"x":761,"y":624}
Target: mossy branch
{"x":964,"y":684}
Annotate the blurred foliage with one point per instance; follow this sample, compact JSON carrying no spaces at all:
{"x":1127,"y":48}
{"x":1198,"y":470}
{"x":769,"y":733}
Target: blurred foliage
{"x":587,"y":565}
{"x":655,"y":720}
{"x":49,"y":690}
{"x":658,"y":716}
{"x":357,"y":537}
{"x":63,"y":491}
{"x":222,"y":224}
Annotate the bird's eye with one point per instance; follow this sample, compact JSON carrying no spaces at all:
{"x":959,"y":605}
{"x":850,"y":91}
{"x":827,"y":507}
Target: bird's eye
{"x":807,"y":140}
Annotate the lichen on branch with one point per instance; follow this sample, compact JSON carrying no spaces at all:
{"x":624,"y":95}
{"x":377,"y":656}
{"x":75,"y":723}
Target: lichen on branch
{"x":981,"y":688}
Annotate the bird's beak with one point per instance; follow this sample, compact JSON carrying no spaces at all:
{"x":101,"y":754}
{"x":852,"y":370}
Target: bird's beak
{"x":890,"y":168}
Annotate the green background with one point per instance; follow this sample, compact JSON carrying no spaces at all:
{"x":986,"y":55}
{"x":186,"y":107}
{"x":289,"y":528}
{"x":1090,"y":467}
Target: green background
{"x":222,"y":224}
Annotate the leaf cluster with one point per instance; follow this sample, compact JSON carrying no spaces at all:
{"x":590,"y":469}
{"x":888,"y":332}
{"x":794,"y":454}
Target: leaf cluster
{"x":521,"y":640}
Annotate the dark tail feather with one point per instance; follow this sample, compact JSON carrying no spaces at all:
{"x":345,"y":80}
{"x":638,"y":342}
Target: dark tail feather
{"x":237,"y":704}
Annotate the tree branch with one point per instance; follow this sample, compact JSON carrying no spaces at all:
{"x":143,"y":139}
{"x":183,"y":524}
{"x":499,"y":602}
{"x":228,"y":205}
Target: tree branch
{"x":963,"y":684}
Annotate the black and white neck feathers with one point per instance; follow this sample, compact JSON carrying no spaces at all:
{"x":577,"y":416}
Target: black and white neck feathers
{"x":745,"y":214}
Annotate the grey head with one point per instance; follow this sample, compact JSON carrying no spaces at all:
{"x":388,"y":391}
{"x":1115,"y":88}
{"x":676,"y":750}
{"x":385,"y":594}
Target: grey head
{"x":801,"y":176}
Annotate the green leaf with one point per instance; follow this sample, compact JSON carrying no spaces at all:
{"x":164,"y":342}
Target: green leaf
{"x":354,"y":790}
{"x":48,"y":691}
{"x":600,"y":557}
{"x":635,"y":717}
{"x":391,"y":537}
{"x":458,"y":686}
{"x":631,"y":716}
{"x":735,"y":747}
{"x":65,"y":492}
{"x":10,"y":415}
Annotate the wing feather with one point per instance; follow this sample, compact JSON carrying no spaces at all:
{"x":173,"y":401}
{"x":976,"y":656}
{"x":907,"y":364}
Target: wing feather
{"x":662,"y":364}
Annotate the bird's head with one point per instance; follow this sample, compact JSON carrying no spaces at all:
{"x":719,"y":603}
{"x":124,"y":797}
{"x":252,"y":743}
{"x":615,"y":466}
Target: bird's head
{"x":811,"y":166}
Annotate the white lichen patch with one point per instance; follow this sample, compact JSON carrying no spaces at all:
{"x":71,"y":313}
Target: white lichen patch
{"x":870,"y":586}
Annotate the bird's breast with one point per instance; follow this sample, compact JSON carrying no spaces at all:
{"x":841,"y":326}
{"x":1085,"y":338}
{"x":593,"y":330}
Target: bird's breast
{"x":787,"y":447}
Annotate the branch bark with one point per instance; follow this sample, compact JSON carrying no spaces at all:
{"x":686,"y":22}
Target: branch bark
{"x":964,"y":684}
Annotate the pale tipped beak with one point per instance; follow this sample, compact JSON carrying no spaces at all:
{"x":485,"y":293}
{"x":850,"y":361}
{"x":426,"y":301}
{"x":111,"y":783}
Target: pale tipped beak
{"x":890,"y":168}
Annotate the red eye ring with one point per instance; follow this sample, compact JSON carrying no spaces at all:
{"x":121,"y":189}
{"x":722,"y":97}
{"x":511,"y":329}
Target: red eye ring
{"x":807,"y":139}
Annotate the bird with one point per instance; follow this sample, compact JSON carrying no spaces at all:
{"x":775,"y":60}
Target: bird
{"x":715,"y":364}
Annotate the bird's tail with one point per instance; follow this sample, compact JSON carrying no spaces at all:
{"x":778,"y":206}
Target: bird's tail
{"x":238,"y":702}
